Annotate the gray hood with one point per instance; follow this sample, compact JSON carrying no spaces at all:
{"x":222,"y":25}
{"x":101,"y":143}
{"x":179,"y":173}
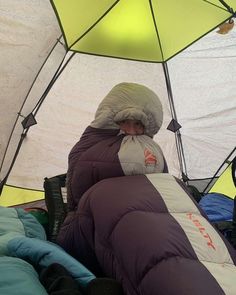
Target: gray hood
{"x":130,"y":101}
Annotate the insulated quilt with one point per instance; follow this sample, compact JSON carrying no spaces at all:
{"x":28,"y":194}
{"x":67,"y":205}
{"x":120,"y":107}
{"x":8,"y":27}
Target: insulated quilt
{"x":148,"y":233}
{"x":25,"y":252}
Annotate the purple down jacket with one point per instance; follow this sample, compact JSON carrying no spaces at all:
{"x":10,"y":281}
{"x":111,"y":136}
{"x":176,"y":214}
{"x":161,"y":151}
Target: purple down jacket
{"x":98,"y":155}
{"x":147,"y":232}
{"x":94,"y":158}
{"x":88,"y":159}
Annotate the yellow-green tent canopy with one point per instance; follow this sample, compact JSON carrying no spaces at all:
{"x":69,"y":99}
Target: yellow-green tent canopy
{"x":225,"y":184}
{"x":11,"y":196}
{"x":142,"y":30}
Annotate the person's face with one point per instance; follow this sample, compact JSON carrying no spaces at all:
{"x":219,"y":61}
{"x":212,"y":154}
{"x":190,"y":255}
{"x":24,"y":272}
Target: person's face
{"x":132,"y":127}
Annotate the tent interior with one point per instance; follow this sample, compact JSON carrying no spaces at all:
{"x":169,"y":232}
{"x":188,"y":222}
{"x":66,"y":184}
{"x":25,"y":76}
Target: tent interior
{"x":50,"y":94}
{"x":63,"y":100}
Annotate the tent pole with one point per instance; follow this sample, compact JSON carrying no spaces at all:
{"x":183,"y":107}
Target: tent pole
{"x":178,"y":139}
{"x":2,"y":183}
{"x":51,"y":83}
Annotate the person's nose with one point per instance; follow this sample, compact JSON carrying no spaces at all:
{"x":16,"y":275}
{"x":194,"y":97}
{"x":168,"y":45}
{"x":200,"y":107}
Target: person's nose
{"x":132,"y":129}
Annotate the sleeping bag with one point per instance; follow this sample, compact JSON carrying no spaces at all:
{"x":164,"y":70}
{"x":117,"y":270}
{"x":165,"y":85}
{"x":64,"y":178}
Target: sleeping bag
{"x":129,"y":221}
{"x":149,"y":234}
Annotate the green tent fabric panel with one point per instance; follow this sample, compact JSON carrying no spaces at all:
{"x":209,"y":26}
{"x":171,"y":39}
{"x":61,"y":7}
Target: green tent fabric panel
{"x":127,"y":31}
{"x":137,"y":29}
{"x":12,"y":196}
{"x":76,"y":16}
{"x":188,"y":21}
{"x":224,"y":184}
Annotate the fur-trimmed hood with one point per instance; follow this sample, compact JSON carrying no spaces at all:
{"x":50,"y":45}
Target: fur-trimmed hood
{"x":130,"y":101}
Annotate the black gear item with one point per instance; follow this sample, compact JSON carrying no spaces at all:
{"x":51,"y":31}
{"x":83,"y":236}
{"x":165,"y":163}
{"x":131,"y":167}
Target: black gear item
{"x":104,"y":286}
{"x":58,"y":281}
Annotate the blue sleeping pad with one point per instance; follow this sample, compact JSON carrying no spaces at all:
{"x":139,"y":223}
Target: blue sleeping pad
{"x":218,"y":207}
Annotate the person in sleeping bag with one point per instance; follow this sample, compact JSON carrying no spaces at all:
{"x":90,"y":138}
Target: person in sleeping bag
{"x":118,"y":142}
{"x":131,"y":127}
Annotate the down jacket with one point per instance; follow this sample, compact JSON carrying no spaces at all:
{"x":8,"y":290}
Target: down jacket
{"x":149,"y":234}
{"x":104,"y":153}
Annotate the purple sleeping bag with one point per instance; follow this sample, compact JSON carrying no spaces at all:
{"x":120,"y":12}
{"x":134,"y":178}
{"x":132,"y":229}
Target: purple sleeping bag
{"x":131,"y":222}
{"x":148,"y":233}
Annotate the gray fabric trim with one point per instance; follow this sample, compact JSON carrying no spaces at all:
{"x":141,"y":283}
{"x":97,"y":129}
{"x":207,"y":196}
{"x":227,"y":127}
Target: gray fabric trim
{"x":176,"y":199}
{"x":225,"y":275}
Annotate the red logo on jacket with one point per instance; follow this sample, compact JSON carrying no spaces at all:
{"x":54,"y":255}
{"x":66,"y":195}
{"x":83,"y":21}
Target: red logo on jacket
{"x":150,"y":158}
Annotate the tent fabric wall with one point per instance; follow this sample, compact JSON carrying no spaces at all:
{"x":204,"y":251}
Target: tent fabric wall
{"x":70,"y":107}
{"x":202,"y":79}
{"x":203,"y":83}
{"x":28,"y":34}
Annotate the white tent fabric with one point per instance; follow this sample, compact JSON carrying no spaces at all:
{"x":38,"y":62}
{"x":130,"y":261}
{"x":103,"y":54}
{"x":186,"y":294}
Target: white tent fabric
{"x":70,"y":107}
{"x":28,"y":33}
{"x":202,"y":79}
{"x":203,"y":83}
